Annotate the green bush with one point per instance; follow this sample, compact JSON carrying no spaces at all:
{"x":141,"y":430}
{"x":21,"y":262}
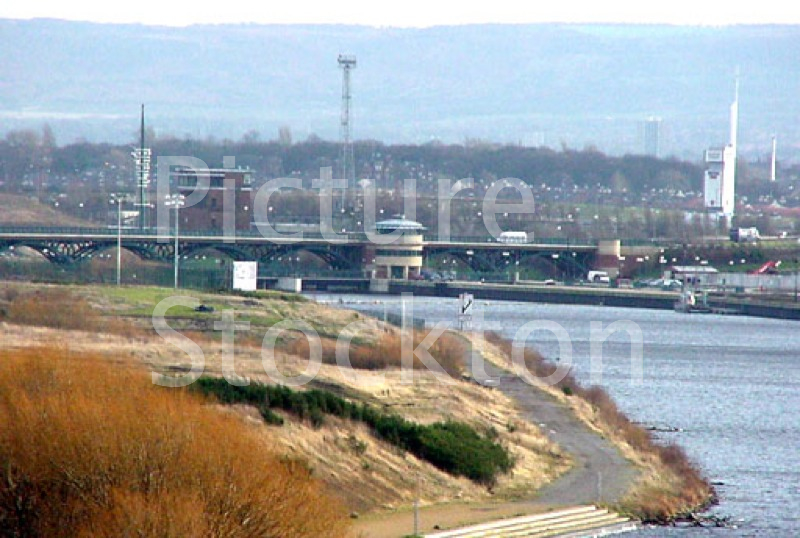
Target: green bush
{"x":270,"y":416}
{"x":453,"y":447}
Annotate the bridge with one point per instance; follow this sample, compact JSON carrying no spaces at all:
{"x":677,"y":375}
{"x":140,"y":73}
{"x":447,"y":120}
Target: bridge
{"x":346,"y":253}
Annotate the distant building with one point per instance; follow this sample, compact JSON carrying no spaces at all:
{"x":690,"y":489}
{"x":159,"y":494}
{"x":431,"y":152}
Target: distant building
{"x":719,"y":182}
{"x":652,"y":136}
{"x":691,"y":275}
{"x":231,"y":184}
{"x":401,"y":259}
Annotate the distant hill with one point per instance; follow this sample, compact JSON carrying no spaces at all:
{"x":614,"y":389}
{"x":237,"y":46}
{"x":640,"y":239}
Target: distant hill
{"x":535,"y":84}
{"x":26,"y":211}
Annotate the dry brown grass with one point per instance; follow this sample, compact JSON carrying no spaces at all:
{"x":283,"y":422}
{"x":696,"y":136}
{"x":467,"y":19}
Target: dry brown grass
{"x":448,"y":351}
{"x":59,"y":308}
{"x":671,"y":486}
{"x":90,"y":449}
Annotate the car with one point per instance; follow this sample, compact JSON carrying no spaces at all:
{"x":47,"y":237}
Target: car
{"x":549,"y":282}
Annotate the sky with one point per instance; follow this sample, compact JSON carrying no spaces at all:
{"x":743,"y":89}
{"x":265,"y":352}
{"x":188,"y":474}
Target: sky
{"x":409,"y":13}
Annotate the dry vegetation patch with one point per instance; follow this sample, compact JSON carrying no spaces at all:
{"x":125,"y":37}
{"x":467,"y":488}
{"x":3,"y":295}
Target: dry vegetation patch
{"x":91,"y":449}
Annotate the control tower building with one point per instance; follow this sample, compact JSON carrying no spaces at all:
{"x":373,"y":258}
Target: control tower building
{"x":719,"y":185}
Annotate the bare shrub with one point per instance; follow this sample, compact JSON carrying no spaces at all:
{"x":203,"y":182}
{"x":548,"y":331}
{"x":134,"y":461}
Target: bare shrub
{"x":89,"y":449}
{"x":448,"y":350}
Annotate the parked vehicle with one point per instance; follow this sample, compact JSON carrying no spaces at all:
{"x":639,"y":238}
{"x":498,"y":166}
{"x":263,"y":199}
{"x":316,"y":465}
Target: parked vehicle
{"x":769,"y":268}
{"x":598,"y":277}
{"x":745,"y":235}
{"x":514,"y":238}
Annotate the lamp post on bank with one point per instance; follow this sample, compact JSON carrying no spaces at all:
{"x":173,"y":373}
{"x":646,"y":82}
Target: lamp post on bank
{"x":176,"y":201}
{"x":118,"y":199}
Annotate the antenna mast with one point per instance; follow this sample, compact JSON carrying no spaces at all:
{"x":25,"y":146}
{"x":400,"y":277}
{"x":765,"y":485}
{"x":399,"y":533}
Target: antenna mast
{"x":141,"y":159}
{"x":347,"y":63}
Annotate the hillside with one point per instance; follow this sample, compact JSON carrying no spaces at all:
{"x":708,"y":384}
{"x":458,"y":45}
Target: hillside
{"x":369,"y":456}
{"x":26,"y":211}
{"x":369,"y":474}
{"x":536,"y":84}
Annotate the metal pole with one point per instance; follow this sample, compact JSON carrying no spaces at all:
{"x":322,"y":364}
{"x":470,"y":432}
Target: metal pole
{"x":177,"y":228}
{"x":599,"y":487}
{"x":119,"y":241}
{"x":416,"y":509}
{"x":416,"y":517}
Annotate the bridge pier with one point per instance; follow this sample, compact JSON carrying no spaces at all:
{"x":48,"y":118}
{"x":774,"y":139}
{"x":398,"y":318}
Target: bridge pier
{"x":290,"y":284}
{"x":379,"y":285}
{"x":608,"y":256}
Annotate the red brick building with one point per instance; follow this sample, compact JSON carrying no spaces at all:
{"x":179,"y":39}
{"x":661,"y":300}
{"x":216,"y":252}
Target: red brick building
{"x":223,"y":183}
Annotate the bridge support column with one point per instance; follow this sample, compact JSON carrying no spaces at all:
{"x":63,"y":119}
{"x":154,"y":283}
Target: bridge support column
{"x":608,"y":257}
{"x":379,"y":285}
{"x":291,"y":284}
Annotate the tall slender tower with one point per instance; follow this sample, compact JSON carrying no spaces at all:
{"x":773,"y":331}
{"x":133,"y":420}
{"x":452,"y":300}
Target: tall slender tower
{"x":347,"y":63}
{"x":719,"y":183}
{"x":773,"y":172}
{"x":141,"y":159}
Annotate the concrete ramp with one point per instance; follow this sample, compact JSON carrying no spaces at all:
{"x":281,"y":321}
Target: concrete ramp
{"x":578,"y":522}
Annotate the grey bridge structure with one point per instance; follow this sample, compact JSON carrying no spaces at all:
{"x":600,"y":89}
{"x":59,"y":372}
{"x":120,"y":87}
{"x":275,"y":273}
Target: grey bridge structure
{"x":347,"y":253}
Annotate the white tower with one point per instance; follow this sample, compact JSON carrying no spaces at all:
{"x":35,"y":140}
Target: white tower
{"x":719,"y":184}
{"x":773,"y":172}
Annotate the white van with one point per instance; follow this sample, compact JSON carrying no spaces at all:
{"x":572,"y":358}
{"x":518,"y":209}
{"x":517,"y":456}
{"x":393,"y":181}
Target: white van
{"x":514,"y":238}
{"x":598,"y":277}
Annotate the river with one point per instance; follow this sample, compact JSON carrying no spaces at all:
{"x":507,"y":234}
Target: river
{"x":728,"y":386}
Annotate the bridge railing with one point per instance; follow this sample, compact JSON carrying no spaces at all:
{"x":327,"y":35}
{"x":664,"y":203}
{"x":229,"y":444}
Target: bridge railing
{"x":350,"y":237}
{"x":560,"y":241}
{"x":56,"y":231}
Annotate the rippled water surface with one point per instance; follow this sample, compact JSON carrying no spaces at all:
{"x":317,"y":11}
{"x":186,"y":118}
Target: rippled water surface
{"x":730,"y":385}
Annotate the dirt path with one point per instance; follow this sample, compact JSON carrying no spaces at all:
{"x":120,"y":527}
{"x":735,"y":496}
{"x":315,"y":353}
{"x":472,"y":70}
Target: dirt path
{"x":600,"y":473}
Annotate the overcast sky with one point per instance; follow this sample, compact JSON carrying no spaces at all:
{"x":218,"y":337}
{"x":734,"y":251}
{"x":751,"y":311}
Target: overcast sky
{"x":409,"y":13}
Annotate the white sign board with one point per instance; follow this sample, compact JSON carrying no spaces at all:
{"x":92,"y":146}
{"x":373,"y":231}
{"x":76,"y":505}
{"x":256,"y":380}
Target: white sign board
{"x":245,"y":276}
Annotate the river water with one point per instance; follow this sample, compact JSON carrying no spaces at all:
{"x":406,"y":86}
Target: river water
{"x":729,"y":385}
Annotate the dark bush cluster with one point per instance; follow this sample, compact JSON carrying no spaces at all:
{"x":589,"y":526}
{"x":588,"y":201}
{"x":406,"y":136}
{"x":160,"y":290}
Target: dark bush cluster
{"x":453,"y":447}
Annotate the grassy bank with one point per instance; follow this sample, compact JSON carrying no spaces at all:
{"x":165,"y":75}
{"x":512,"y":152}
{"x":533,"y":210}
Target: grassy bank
{"x":366,"y":470}
{"x":453,"y":447}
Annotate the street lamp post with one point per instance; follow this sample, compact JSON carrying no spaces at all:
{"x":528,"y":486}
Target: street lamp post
{"x":555,"y":265}
{"x":177,"y":201}
{"x":118,"y":199}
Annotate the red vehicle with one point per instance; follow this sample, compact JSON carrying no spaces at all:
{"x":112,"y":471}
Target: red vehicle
{"x":769,"y":268}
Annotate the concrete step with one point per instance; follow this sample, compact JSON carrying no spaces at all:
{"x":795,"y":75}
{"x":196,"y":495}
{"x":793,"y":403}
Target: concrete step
{"x":544,"y":525}
{"x":609,"y":530}
{"x":577,"y":522}
{"x":560,"y":526}
{"x":464,"y":532}
{"x":589,"y":527}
